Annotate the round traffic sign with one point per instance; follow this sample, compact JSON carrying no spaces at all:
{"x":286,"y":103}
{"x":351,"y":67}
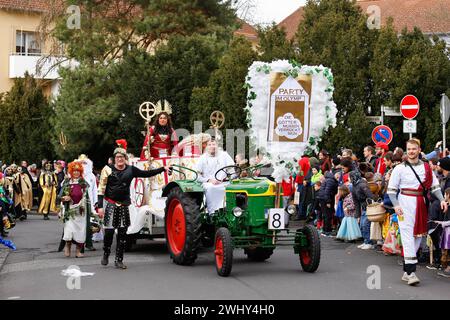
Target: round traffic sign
{"x":409,"y":107}
{"x":382,"y":134}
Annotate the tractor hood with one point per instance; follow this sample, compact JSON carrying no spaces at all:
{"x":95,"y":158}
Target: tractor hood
{"x":252,"y":187}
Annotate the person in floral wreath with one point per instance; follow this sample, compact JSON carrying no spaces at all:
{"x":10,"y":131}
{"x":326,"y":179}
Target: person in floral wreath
{"x":75,"y":206}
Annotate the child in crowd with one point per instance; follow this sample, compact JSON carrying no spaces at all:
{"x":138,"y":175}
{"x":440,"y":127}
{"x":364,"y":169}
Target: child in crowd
{"x":315,"y":212}
{"x":349,"y":229}
{"x":445,"y":240}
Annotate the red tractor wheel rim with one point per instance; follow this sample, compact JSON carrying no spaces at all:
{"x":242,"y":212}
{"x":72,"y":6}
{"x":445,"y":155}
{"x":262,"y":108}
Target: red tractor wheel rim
{"x":306,"y":258}
{"x":176,"y":225}
{"x":219,"y":252}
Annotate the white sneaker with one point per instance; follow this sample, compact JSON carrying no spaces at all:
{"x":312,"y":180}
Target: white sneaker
{"x":366,"y":247}
{"x":405,"y":277}
{"x":361,"y":245}
{"x":412,"y":279}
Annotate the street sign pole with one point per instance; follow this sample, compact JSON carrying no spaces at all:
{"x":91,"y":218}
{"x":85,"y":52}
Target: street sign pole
{"x":445,"y":114}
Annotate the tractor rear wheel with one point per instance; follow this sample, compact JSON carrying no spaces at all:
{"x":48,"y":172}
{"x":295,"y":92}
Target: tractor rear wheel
{"x":310,"y":254}
{"x":182,"y":226}
{"x":223,"y":252}
{"x":258,"y":254}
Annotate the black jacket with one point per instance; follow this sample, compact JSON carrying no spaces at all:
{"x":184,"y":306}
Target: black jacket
{"x":360,"y":194}
{"x":118,"y":185}
{"x":329,"y":189}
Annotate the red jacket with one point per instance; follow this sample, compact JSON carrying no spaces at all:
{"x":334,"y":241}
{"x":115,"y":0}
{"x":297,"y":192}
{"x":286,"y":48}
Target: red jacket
{"x":380,"y":166}
{"x":288,"y":187}
{"x":304,"y":168}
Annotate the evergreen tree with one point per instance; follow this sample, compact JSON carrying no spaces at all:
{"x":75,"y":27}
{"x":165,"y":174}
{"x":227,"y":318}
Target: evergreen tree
{"x":273,"y":44}
{"x":171,"y":74}
{"x":225,"y":91}
{"x":87,"y":112}
{"x":25,"y":128}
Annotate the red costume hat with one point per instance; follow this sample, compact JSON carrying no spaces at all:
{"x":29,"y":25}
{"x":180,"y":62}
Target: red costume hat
{"x":121,"y":147}
{"x":382,"y":145}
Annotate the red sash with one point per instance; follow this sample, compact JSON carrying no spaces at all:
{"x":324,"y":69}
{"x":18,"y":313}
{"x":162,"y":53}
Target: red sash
{"x":420,"y":226}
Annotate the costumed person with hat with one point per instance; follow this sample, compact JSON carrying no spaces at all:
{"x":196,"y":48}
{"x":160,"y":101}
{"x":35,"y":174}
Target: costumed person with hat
{"x":17,"y":192}
{"x":48,"y":182}
{"x":435,"y":214}
{"x":380,"y":166}
{"x":7,"y":222}
{"x":163,"y":138}
{"x":114,"y":187}
{"x":408,"y":190}
{"x":76,"y":206}
{"x":26,"y":188}
{"x":90,"y":178}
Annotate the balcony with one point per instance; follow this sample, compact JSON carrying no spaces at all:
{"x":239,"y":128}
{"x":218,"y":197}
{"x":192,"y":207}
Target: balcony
{"x":48,"y":66}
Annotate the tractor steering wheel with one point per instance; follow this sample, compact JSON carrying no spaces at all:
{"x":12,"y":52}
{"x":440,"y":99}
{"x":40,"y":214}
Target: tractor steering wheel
{"x":230,"y":171}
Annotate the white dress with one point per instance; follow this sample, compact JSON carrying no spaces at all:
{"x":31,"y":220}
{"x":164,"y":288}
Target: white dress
{"x":75,"y":226}
{"x":207,"y":166}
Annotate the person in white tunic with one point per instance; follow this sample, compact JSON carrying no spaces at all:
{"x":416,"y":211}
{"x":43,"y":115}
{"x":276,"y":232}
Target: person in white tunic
{"x":75,"y":206}
{"x":407,"y":195}
{"x":92,"y":191}
{"x":207,"y":166}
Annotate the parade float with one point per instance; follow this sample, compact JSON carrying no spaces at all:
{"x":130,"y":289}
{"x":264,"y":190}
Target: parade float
{"x":147,"y":209}
{"x":289,"y":107}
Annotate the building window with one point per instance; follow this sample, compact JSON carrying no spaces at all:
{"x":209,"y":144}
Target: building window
{"x":27,"y":43}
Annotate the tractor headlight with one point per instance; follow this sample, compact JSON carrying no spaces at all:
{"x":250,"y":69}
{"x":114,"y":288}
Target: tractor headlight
{"x":237,"y":212}
{"x":292,"y":209}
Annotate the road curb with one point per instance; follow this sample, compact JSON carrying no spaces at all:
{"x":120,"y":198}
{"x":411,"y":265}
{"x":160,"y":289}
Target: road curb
{"x":3,"y":255}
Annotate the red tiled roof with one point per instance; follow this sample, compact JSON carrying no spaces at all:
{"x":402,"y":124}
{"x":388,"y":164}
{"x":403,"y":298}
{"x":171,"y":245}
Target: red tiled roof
{"x":290,"y":24}
{"x":431,"y":16}
{"x":25,"y":5}
{"x":246,"y":30}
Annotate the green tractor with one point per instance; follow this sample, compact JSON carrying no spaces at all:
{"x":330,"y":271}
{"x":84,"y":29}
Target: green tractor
{"x":250,"y":221}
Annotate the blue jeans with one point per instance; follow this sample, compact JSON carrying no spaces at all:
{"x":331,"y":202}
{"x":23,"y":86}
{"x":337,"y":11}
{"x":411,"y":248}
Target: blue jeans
{"x":301,"y":211}
{"x":365,"y":228}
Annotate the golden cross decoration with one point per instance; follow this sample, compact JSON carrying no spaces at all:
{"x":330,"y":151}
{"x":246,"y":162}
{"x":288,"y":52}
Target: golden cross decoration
{"x":147,"y":110}
{"x":63,"y":140}
{"x":217,"y":119}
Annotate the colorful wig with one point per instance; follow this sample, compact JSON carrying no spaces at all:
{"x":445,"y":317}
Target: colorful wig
{"x":75,"y":166}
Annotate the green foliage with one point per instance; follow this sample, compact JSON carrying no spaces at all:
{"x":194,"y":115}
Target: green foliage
{"x":87,"y":112}
{"x":108,"y":29}
{"x":25,"y":129}
{"x":274,"y":45}
{"x":373,"y":68}
{"x":171,"y":74}
{"x":334,"y":34}
{"x":351,"y":132}
{"x":225,"y":91}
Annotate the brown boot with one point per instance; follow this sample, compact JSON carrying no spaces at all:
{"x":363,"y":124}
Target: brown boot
{"x":67,"y":248}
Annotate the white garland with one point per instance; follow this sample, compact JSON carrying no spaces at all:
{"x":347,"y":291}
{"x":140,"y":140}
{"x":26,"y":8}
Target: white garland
{"x":323,"y":116}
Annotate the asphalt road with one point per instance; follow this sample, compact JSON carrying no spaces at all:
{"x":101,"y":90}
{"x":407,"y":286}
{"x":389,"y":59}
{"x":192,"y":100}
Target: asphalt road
{"x":34,"y":272}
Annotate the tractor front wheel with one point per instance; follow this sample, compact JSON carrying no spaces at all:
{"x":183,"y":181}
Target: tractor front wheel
{"x":223,"y":252}
{"x":310,"y":254}
{"x":182,"y":226}
{"x":258,"y":254}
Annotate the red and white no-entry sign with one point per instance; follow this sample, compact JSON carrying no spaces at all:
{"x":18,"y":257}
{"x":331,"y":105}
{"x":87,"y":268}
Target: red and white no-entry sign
{"x":409,"y":107}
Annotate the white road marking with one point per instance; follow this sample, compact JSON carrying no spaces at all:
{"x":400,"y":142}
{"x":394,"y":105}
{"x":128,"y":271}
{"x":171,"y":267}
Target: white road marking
{"x":65,"y":262}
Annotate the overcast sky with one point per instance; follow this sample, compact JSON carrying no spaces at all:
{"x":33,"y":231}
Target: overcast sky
{"x":267,"y":11}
